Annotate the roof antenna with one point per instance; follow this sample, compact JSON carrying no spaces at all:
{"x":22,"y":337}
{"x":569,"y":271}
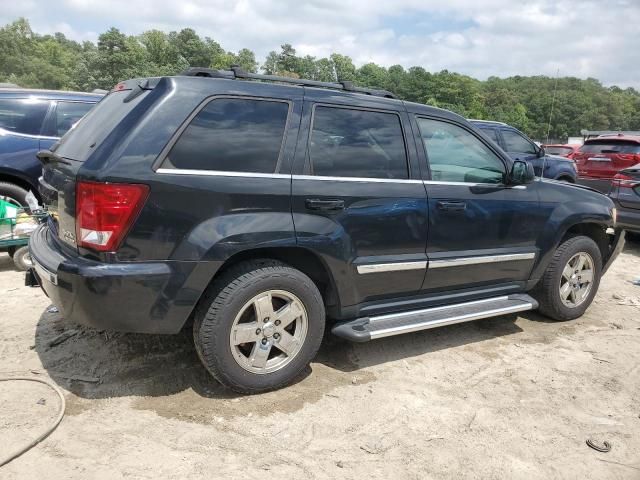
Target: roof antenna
{"x":553,"y":101}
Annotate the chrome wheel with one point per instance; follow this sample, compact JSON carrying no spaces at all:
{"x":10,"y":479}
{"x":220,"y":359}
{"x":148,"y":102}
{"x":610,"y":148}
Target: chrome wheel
{"x":577,"y":280}
{"x":269,"y":331}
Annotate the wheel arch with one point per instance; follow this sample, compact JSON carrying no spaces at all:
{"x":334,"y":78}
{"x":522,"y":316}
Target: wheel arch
{"x":18,"y":180}
{"x":299,"y":258}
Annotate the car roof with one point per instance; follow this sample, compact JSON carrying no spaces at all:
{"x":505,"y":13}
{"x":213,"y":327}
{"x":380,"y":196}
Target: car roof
{"x":49,"y":94}
{"x":488,"y":122}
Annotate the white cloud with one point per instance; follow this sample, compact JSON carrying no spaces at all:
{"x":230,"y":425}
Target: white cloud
{"x":480,"y":38}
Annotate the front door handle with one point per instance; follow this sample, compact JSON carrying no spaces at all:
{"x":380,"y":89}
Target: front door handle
{"x":452,"y":206}
{"x":324,"y":205}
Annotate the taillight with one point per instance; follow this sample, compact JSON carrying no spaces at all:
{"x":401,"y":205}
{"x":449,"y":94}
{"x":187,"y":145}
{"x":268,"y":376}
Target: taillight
{"x":105,"y":211}
{"x":624,"y":181}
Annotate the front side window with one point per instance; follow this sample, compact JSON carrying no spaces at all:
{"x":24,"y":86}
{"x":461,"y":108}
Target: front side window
{"x":455,"y":155}
{"x":232,"y":135}
{"x":357,"y":143}
{"x":22,"y":115}
{"x":68,"y":114}
{"x":514,"y":142}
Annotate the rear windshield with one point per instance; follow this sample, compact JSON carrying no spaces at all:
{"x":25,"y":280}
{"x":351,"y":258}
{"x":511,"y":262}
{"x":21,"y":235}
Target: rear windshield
{"x":609,"y":146}
{"x":81,"y":140}
{"x":558,"y":150}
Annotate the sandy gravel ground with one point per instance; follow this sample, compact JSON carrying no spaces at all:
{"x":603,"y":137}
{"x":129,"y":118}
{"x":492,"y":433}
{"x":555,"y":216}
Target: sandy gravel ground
{"x":501,"y":398}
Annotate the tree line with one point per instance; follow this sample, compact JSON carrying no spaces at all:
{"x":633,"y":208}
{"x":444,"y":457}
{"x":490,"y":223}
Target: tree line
{"x":29,"y":59}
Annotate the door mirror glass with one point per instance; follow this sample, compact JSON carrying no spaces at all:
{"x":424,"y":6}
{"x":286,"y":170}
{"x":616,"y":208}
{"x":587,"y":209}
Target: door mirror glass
{"x":521,"y":173}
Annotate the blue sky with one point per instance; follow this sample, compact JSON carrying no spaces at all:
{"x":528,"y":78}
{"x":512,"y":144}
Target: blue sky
{"x":476,"y":37}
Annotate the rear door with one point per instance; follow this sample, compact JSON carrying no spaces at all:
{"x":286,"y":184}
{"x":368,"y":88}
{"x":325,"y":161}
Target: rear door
{"x":358,"y":200}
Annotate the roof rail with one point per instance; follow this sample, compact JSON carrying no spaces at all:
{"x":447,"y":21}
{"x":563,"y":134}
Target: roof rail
{"x":235,"y":72}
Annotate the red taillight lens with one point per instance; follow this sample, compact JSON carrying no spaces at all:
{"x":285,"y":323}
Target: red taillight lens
{"x":105,"y":211}
{"x":624,"y":181}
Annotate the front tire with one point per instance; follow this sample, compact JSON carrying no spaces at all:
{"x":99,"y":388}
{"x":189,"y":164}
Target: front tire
{"x":571,"y":280}
{"x":259,"y":326}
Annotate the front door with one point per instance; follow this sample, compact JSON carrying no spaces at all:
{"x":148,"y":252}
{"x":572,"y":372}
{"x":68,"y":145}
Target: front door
{"x":358,"y":199}
{"x":482,"y":232}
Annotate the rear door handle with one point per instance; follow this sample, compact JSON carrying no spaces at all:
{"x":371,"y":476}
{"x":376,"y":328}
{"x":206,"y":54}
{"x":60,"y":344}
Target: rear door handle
{"x":324,"y":205}
{"x":452,"y":206}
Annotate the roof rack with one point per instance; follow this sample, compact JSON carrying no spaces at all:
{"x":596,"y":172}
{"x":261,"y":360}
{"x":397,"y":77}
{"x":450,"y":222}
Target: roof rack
{"x":235,"y":72}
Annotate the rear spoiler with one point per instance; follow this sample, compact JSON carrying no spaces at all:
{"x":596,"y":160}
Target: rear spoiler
{"x":47,"y":156}
{"x":136,"y":85}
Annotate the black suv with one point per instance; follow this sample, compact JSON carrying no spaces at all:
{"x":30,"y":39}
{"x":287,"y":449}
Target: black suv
{"x":264,"y":207}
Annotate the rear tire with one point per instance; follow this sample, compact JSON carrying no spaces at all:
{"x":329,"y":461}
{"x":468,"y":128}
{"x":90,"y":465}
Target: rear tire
{"x":259,"y":325}
{"x":14,"y":194}
{"x":571,"y":280}
{"x":22,"y":259}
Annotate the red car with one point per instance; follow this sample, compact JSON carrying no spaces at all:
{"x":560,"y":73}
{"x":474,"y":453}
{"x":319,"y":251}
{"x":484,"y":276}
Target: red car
{"x":599,"y":159}
{"x":561,"y":149}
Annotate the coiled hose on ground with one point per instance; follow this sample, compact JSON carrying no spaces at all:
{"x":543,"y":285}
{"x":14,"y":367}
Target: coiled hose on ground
{"x":45,"y":433}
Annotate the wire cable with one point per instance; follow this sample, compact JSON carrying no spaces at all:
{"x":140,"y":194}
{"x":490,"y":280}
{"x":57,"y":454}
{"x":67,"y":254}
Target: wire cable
{"x":46,"y":432}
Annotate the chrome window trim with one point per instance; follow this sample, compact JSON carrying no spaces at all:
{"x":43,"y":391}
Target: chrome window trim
{"x":391,"y":267}
{"x":219,"y":173}
{"x":356,"y":179}
{"x":513,"y":187}
{"x":458,"y":262}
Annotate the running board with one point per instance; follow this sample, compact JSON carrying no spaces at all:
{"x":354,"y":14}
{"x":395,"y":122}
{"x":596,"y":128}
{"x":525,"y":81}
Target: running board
{"x":370,"y":328}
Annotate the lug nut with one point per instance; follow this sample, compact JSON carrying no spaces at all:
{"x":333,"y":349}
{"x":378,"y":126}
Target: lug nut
{"x":264,"y":341}
{"x":277,"y":322}
{"x":258,"y":331}
{"x":276,"y":336}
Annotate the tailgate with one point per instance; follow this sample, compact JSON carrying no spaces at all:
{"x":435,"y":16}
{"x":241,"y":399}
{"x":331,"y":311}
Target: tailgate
{"x":604,"y":158}
{"x":58,"y":190}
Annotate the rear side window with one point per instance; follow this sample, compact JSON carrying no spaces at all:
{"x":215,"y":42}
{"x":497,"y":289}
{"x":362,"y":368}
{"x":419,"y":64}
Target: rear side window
{"x":68,"y":114}
{"x":608,"y":146}
{"x":22,"y":115}
{"x":455,"y":155}
{"x":514,"y":142}
{"x":357,"y":143}
{"x":232,"y":135}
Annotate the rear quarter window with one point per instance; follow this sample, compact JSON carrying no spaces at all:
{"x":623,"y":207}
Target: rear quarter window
{"x":232,"y":135}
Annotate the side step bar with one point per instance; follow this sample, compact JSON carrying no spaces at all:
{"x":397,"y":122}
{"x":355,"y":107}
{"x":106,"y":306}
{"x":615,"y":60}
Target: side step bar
{"x":370,"y":328}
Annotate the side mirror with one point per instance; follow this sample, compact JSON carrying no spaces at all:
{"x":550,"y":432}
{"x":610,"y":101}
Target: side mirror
{"x":521,"y":173}
{"x":541,"y":152}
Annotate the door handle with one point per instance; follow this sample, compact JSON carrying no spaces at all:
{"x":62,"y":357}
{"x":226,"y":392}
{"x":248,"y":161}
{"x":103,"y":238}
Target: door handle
{"x":452,"y":206}
{"x":324,"y":205}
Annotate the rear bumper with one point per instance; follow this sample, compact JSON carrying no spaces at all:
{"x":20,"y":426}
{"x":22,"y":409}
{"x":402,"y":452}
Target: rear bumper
{"x":628,"y":218}
{"x":142,"y":297}
{"x":603,"y":185}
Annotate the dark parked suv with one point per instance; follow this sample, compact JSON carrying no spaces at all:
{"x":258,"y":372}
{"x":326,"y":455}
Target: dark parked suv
{"x":32,"y":120}
{"x":520,"y":147}
{"x":264,"y":210}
